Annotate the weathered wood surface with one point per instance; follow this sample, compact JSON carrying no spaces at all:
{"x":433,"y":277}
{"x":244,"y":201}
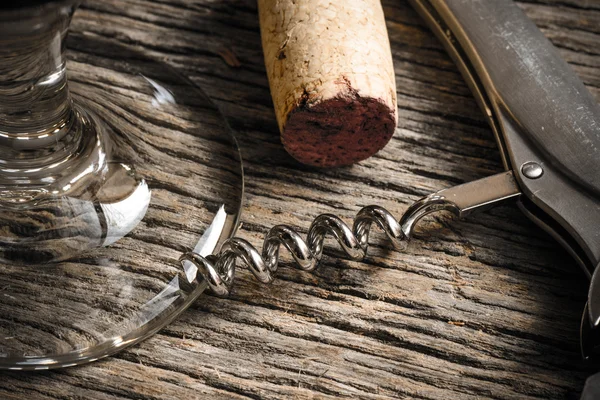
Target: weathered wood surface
{"x":488,"y":307}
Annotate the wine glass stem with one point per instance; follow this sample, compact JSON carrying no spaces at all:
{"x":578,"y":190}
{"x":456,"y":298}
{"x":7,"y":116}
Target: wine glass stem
{"x":35,"y":106}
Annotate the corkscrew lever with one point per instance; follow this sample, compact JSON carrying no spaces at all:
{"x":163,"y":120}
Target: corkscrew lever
{"x":463,"y":200}
{"x":547,"y":124}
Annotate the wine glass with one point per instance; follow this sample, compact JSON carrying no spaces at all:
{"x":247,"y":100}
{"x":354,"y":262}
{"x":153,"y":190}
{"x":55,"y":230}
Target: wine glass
{"x":111,"y":166}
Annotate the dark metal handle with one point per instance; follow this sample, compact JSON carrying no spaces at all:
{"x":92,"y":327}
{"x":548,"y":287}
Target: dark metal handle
{"x":542,"y":115}
{"x":523,"y":73}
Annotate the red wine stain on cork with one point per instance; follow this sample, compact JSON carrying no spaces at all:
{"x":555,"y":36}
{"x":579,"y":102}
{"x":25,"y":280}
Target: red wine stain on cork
{"x":339,"y":131}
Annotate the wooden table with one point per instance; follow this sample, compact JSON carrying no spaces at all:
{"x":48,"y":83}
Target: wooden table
{"x":487,"y":307}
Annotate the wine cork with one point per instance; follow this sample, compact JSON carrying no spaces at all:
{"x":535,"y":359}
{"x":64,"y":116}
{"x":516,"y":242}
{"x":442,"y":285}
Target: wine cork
{"x":331,"y":76}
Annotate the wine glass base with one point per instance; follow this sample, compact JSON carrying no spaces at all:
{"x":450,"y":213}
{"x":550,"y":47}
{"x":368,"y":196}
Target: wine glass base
{"x":163,"y":176}
{"x":68,"y":203}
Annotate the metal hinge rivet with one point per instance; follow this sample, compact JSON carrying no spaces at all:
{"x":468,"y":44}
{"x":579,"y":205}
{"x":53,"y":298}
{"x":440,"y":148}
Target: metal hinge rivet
{"x":532,"y":170}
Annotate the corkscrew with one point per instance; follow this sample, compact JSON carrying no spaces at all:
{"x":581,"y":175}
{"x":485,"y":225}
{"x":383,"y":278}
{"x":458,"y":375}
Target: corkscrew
{"x":218,"y":270}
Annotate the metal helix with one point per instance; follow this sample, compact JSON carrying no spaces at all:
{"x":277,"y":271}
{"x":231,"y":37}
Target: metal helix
{"x":219,"y":270}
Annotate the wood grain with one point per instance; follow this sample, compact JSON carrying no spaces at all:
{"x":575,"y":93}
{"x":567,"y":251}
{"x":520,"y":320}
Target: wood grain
{"x":487,"y":307}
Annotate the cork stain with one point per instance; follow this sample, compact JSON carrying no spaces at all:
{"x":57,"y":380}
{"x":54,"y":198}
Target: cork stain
{"x":304,"y":97}
{"x":281,"y":52}
{"x":348,"y":86}
{"x":338,"y":131}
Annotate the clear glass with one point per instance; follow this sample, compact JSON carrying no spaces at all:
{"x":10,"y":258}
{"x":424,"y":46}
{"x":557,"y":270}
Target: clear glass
{"x":104,"y":182}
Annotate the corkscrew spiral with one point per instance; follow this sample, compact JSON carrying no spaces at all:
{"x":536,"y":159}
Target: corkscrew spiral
{"x":218,"y":270}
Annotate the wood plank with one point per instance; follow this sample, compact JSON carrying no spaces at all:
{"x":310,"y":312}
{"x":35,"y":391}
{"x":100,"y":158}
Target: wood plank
{"x":486,"y":307}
